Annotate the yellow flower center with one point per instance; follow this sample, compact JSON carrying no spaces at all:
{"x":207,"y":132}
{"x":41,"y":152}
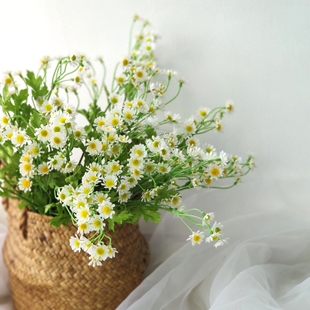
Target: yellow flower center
{"x":140,"y":103}
{"x":77,"y":133}
{"x":44,"y":133}
{"x":189,"y":128}
{"x":215,"y":171}
{"x":97,"y":223}
{"x":26,"y":183}
{"x":8,"y":80}
{"x":115,"y":167}
{"x":100,"y":251}
{"x":106,"y":210}
{"x":128,"y":115}
{"x":27,"y":167}
{"x":92,"y":145}
{"x":203,"y":113}
{"x":120,"y":79}
{"x":62,"y":196}
{"x":84,"y":214}
{"x":114,"y":121}
{"x":5,"y":120}
{"x":109,"y":183}
{"x":139,"y":152}
{"x":56,"y":140}
{"x":48,"y":107}
{"x":175,"y":200}
{"x":100,"y":123}
{"x":115,"y":149}
{"x":156,"y":143}
{"x":114,"y":100}
{"x":135,"y":162}
{"x":20,"y":138}
{"x":57,"y":101}
{"x":83,"y":226}
{"x":196,"y":238}
{"x":125,"y":62}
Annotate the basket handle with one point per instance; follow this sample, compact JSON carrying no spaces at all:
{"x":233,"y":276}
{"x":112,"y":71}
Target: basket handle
{"x":23,"y":217}
{"x":23,"y":222}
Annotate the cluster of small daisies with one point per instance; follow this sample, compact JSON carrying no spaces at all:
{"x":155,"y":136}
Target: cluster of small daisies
{"x":121,"y":165}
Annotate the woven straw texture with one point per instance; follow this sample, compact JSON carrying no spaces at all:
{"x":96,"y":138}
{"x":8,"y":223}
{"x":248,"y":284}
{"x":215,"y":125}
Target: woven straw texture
{"x":45,"y":274}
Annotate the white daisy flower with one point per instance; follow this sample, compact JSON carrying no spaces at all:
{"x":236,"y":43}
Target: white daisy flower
{"x":43,"y":169}
{"x":90,"y":178}
{"x":215,"y":171}
{"x":33,"y":149}
{"x":114,"y":99}
{"x":196,"y":237}
{"x":83,"y":228}
{"x":96,"y":223}
{"x":111,"y":252}
{"x":79,"y":133}
{"x":110,"y":181}
{"x":128,"y":115}
{"x":99,"y":252}
{"x":82,"y":215}
{"x":208,"y":218}
{"x":20,"y":138}
{"x":155,"y":145}
{"x":56,"y":162}
{"x":63,"y":195}
{"x":75,"y":243}
{"x":86,"y":245}
{"x":93,"y":146}
{"x":24,"y":184}
{"x":46,"y":108}
{"x":189,"y":127}
{"x":105,"y":209}
{"x":113,"y":168}
{"x":135,"y":162}
{"x":58,"y":140}
{"x":43,"y":133}
{"x":140,"y":75}
{"x":100,"y":123}
{"x":26,"y":169}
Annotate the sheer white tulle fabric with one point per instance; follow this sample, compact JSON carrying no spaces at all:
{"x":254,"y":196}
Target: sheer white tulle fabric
{"x":265,"y":264}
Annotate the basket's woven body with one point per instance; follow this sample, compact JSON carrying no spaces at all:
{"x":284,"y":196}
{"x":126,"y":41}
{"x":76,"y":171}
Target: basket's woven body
{"x":45,"y":274}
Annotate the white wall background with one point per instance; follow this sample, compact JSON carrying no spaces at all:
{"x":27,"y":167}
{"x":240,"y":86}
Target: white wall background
{"x":254,"y":52}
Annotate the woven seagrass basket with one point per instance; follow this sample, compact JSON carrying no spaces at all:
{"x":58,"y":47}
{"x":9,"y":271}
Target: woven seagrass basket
{"x":45,"y":274}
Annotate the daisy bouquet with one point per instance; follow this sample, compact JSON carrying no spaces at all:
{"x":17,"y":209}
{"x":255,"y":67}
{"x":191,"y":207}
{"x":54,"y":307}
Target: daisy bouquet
{"x":122,"y":158}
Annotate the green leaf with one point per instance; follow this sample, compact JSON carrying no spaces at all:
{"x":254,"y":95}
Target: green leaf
{"x":152,"y":215}
{"x":60,"y":219}
{"x":48,"y":207}
{"x":35,"y":83}
{"x":5,"y":92}
{"x":75,"y":178}
{"x":164,"y":192}
{"x":122,"y":217}
{"x":36,"y":119}
{"x":130,"y":91}
{"x":22,"y":205}
{"x":150,"y":131}
{"x":21,"y":97}
{"x":8,"y":106}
